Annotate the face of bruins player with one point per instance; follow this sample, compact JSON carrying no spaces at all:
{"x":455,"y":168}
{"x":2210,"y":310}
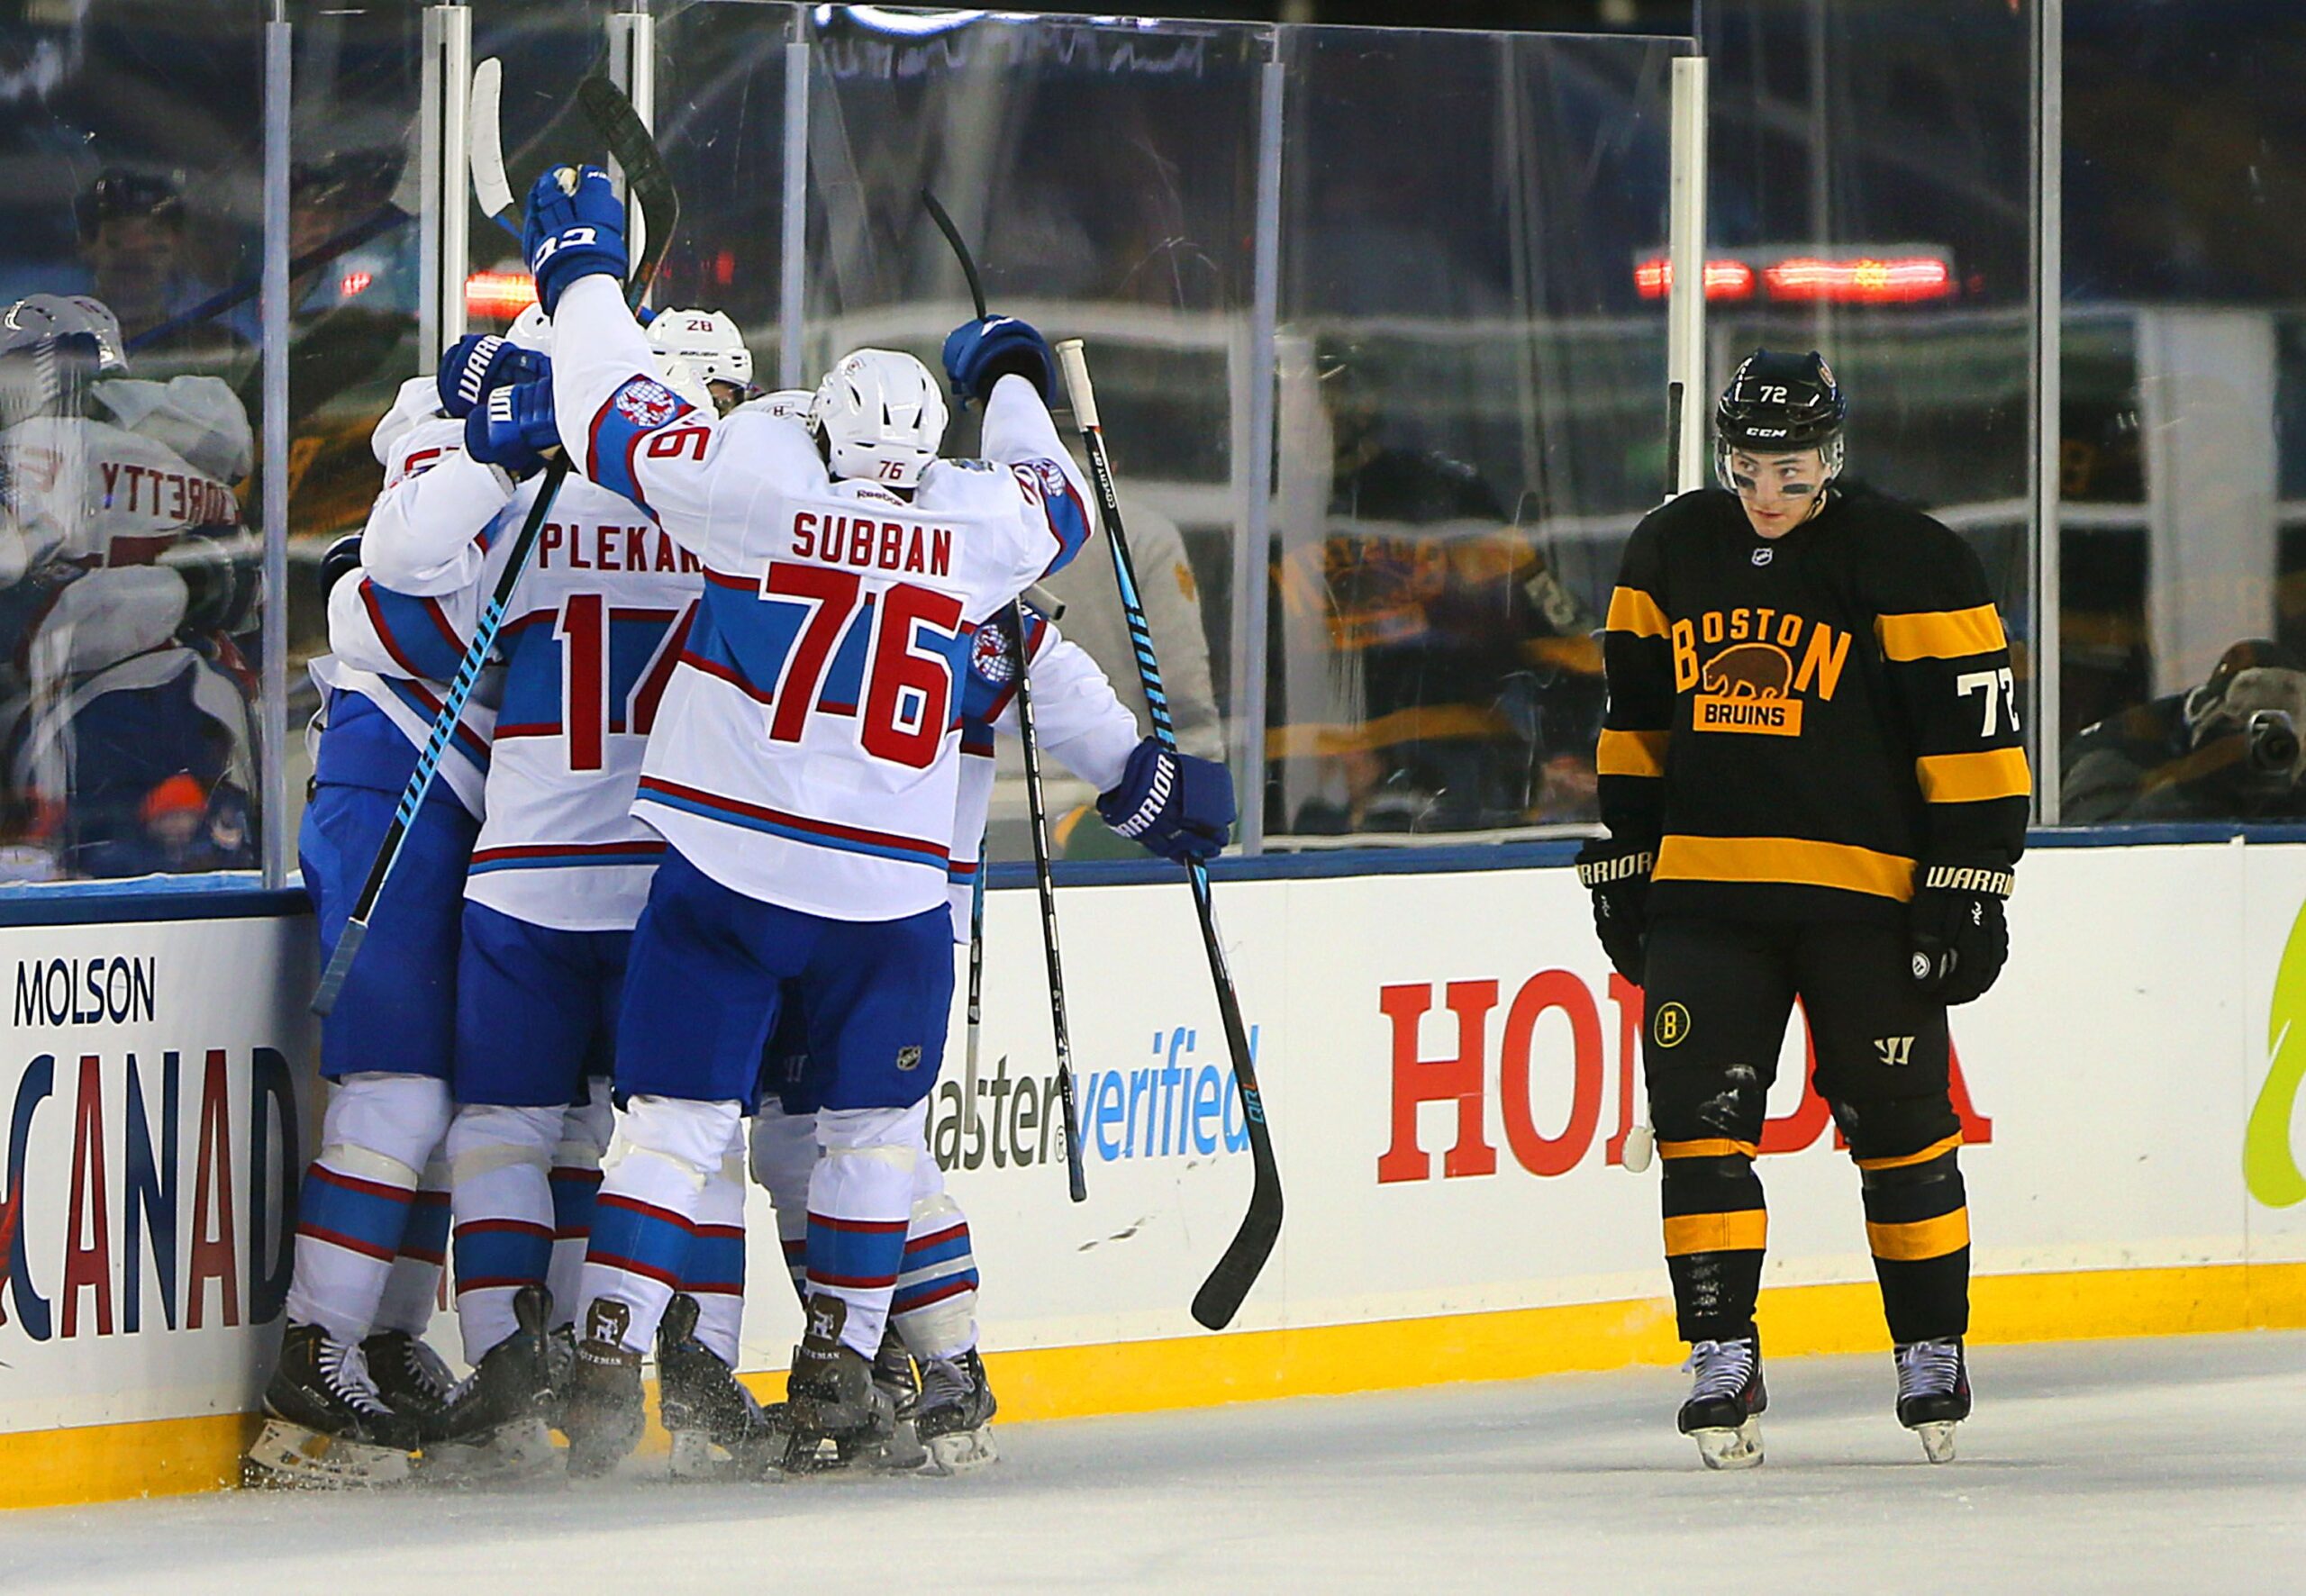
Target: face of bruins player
{"x":1779,"y":491}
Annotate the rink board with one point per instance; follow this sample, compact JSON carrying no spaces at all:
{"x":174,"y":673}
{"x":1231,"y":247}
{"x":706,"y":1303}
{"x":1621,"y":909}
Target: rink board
{"x":1448,"y":1070}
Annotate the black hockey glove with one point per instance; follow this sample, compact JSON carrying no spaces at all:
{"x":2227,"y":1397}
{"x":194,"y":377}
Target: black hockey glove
{"x":1618,"y":876}
{"x":1960,"y":937}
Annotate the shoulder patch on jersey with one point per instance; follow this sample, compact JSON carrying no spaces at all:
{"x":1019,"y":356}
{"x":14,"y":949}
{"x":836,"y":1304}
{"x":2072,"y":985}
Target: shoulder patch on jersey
{"x":1041,"y":479}
{"x":647,"y":403}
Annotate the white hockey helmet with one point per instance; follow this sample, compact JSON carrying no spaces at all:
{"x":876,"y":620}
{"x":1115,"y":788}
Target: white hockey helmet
{"x":532,"y":330}
{"x":696,"y":349}
{"x":42,"y":316}
{"x":881,"y":416}
{"x":791,"y":404}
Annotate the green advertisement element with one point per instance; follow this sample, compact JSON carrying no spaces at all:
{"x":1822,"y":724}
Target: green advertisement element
{"x":2269,"y":1162}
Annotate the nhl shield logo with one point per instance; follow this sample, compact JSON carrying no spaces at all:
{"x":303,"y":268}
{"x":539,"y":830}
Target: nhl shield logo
{"x":990,"y":655}
{"x":909,"y":1057}
{"x":647,"y":403}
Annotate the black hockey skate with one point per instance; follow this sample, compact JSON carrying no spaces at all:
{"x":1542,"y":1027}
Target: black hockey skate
{"x":956,"y":1417}
{"x":840,"y":1419}
{"x":1933,"y":1394}
{"x":1727,"y":1399}
{"x":560,"y":1358}
{"x":495,"y":1424}
{"x":894,"y":1373}
{"x":719,"y":1430}
{"x":413,"y":1380}
{"x":604,"y":1419}
{"x":325,"y":1425}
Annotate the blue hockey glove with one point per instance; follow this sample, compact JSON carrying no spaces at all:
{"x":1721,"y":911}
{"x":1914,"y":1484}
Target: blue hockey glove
{"x":514,"y":428}
{"x":574,"y":227}
{"x":479,"y":363}
{"x":979,"y":354}
{"x":1171,"y":804}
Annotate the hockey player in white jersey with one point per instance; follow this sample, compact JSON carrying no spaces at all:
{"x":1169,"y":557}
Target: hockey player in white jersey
{"x":356,"y":1391}
{"x":561,"y":867}
{"x":803,"y":772}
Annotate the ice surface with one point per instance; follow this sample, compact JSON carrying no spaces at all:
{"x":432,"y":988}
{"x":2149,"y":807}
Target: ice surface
{"x":2170,"y":1465}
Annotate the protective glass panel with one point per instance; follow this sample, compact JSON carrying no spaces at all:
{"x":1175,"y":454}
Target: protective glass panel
{"x":354,"y":188}
{"x":129,"y":620}
{"x":2183,"y":534}
{"x":1103,"y":174}
{"x":1472,"y":417}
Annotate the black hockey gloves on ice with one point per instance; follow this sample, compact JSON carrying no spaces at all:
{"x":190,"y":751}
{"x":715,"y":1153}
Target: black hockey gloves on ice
{"x":979,"y":354}
{"x":1618,"y":876}
{"x":1172,"y":805}
{"x":478,"y":364}
{"x":574,"y":227}
{"x":1960,"y":937}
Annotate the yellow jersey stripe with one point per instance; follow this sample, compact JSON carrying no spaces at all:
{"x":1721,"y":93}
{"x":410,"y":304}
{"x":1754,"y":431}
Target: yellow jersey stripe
{"x":1630,"y":752}
{"x":1710,"y":1147}
{"x":1919,"y":1239}
{"x":1747,"y":1231}
{"x":1972,"y":778}
{"x":1907,"y":1160}
{"x":1940,"y":634}
{"x":1634,"y":611}
{"x":1785,"y":860}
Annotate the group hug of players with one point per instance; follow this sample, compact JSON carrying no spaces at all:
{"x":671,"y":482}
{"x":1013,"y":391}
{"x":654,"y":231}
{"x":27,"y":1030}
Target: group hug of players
{"x":695,"y":862}
{"x":697,"y":856}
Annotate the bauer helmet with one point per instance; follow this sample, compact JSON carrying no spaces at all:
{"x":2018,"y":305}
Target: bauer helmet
{"x":696,"y":349}
{"x":881,"y":417}
{"x":50,"y":318}
{"x":1777,"y":404}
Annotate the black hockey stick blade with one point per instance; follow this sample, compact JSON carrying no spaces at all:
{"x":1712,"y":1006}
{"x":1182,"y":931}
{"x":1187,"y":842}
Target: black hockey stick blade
{"x":938,"y":213}
{"x":1222,"y":1294}
{"x":630,"y":142}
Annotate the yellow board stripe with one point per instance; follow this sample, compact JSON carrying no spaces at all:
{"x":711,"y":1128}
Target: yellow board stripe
{"x":1789,"y":860}
{"x":164,"y":1457}
{"x":1712,"y":1146}
{"x":1972,"y":778}
{"x":1634,"y":611}
{"x":1630,"y":752}
{"x":1940,"y":634}
{"x":1907,"y":1160}
{"x":1747,"y":1231}
{"x":1918,"y":1239}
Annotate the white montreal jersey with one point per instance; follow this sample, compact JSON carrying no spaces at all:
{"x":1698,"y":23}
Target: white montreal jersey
{"x":590,"y":634}
{"x":397,"y":649}
{"x":1076,"y":718}
{"x":807,"y":751}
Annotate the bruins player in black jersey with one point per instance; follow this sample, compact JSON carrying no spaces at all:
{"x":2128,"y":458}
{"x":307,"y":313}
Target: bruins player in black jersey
{"x":1814,"y":787}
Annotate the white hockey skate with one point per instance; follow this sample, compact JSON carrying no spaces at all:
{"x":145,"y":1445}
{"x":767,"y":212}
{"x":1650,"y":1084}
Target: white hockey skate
{"x":1724,"y":1411}
{"x":1933,"y":1394}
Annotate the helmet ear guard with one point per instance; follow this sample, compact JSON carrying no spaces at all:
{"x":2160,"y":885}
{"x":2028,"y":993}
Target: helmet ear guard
{"x":880,"y":417}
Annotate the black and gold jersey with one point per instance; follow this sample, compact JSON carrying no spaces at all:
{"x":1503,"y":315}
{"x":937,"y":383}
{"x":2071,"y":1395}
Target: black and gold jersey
{"x":1794,"y":723}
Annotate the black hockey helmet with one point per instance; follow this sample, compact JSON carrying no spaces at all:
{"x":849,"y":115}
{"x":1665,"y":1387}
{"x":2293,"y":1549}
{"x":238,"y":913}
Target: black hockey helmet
{"x":1777,"y":403}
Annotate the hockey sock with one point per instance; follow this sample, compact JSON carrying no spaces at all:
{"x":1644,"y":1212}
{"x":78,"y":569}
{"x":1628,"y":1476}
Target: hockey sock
{"x":413,"y":1289}
{"x":715,"y":1272}
{"x":1917,"y":1224}
{"x":500,"y":1160}
{"x":354,"y":1207}
{"x":860,"y":1203}
{"x":935,"y":1306}
{"x":666,"y":1150}
{"x":783,"y":1156}
{"x":1716,"y":1228}
{"x":585,"y":1131}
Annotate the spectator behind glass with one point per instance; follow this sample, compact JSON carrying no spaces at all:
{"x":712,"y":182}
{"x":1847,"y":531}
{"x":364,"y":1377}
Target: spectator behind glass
{"x":132,"y":237}
{"x":2227,"y":750}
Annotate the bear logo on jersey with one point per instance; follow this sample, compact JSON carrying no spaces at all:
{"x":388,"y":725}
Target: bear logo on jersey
{"x":647,"y":403}
{"x":1744,"y":688}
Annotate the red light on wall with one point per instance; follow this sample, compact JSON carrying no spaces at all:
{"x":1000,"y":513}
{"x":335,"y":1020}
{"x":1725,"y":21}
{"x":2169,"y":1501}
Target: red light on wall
{"x":500,"y":294}
{"x":354,"y":283}
{"x":1866,"y":280}
{"x":1724,"y":279}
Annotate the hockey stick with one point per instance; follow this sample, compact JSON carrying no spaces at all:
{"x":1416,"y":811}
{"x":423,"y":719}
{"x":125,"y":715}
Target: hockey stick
{"x":977,"y":993}
{"x":1220,"y":1297}
{"x":623,"y":131}
{"x":1075,"y":1172}
{"x":1044,"y":885}
{"x":484,"y":137}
